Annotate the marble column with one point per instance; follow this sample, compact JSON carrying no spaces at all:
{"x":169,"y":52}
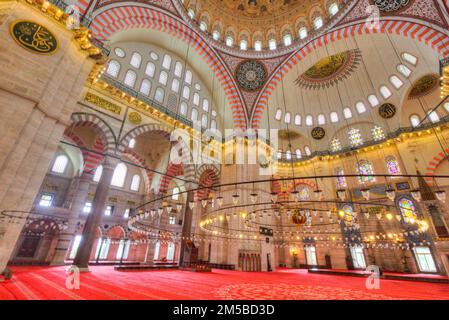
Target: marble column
{"x":93,"y":220}
{"x":76,"y":205}
{"x":186,"y":227}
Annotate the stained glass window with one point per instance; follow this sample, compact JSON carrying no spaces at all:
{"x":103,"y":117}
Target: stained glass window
{"x":366,"y":168}
{"x":378,"y":133}
{"x":349,"y":214}
{"x":408,"y":209}
{"x":335,"y":145}
{"x":355,"y":137}
{"x":341,"y":180}
{"x":393,"y":166}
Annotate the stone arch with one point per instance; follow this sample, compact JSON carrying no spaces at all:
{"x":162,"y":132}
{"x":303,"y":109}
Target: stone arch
{"x":173,"y":170}
{"x":433,"y":165}
{"x":99,"y":126}
{"x":111,"y":19}
{"x":207,"y":176}
{"x":429,"y":35}
{"x":116,"y":232}
{"x":189,"y":168}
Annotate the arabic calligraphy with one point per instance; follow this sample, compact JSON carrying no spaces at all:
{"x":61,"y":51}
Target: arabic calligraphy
{"x":34,"y":37}
{"x":391,"y":5}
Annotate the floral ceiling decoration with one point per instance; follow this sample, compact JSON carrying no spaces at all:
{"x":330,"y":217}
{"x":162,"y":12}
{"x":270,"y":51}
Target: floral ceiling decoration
{"x":251,"y":75}
{"x":330,"y":70}
{"x":423,"y":86}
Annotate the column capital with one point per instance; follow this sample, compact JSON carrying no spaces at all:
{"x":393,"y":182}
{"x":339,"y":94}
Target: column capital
{"x":110,"y":162}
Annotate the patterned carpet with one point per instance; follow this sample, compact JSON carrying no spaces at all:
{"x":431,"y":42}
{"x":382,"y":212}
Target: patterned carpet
{"x":103,"y":283}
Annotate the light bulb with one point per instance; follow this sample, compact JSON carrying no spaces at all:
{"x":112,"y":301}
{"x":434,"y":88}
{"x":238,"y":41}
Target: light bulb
{"x":391,"y":194}
{"x":441,"y":195}
{"x":179,"y":207}
{"x":365,"y":193}
{"x":204,"y":203}
{"x":318,"y":194}
{"x":191,"y":205}
{"x":235,"y":199}
{"x":416,"y":194}
{"x":253,"y":197}
{"x":220,"y":201}
{"x":274,"y":197}
{"x":341,"y":193}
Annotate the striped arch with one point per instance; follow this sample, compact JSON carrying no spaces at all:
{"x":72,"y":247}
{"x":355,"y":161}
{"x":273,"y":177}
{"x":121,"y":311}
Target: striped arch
{"x":72,"y":138}
{"x":433,"y":165}
{"x":207,"y":176}
{"x":188,"y":166}
{"x":82,"y":6}
{"x":103,"y":130}
{"x":123,"y":17}
{"x":173,"y":170}
{"x":431,"y":37}
{"x":137,"y":159}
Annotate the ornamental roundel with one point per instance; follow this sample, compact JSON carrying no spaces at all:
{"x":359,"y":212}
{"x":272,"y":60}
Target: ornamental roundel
{"x":135,"y":118}
{"x":387,"y":110}
{"x":391,"y":5}
{"x":34,"y":37}
{"x":423,"y":86}
{"x":251,"y":75}
{"x":318,"y":133}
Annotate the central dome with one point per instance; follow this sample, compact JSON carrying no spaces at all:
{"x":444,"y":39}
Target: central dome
{"x":261,"y":24}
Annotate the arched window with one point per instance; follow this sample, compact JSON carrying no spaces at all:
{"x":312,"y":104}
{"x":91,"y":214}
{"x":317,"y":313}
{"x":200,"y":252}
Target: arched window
{"x":334,"y":117}
{"x":175,"y":85}
{"x":446,"y":106}
{"x":119,"y":52}
{"x":191,"y":13}
{"x":170,"y":251}
{"x":321,"y":119}
{"x":287,"y":40}
{"x":130,"y":78}
{"x":194,"y":115}
{"x":288,"y":155}
{"x":145,"y":87}
{"x":298,"y":154}
{"x":178,"y":69}
{"x":287,"y":117}
{"x":60,"y":164}
{"x":360,"y":107}
{"x":307,"y":150}
{"x":75,"y":246}
{"x":373,"y":101}
{"x":347,"y":113}
{"x":166,"y":63}
{"x":175,"y":194}
{"x":204,"y":121}
{"x":298,"y":119}
{"x":163,"y":78}
{"x":279,"y":154}
{"x":188,"y":77}
{"x":103,"y":248}
{"x":408,"y":209}
{"x":243,"y":45}
{"x":123,"y":249}
{"x":183,"y":109}
{"x":203,"y":26}
{"x":272,"y":44}
{"x":433,"y":116}
{"x":392,"y":165}
{"x":365,"y":168}
{"x":150,"y":69}
{"x":132,"y":143}
{"x":415,"y":120}
{"x":186,"y":93}
{"x":159,"y":95}
{"x":309,"y":120}
{"x":410,"y":58}
{"x":404,"y":70}
{"x":119,"y":176}
{"x":229,"y":41}
{"x":333,"y":9}
{"x":216,"y":35}
{"x":385,"y":92}
{"x":278,"y":114}
{"x":136,"y":59}
{"x":157,"y":248}
{"x":113,"y":68}
{"x":258,"y":45}
{"x":196,"y":99}
{"x":213,"y":124}
{"x":205,"y":105}
{"x":302,"y":33}
{"x":396,"y":82}
{"x":98,"y":173}
{"x":135,"y":183}
{"x":318,"y":23}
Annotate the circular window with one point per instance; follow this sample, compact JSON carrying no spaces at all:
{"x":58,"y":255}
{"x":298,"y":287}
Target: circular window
{"x":154,"y":56}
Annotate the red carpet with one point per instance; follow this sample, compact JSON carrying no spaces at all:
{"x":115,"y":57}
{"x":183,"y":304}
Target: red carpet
{"x":103,"y":283}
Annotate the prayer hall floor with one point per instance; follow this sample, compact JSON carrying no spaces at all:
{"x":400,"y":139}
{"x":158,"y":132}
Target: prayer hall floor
{"x":104,"y":283}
